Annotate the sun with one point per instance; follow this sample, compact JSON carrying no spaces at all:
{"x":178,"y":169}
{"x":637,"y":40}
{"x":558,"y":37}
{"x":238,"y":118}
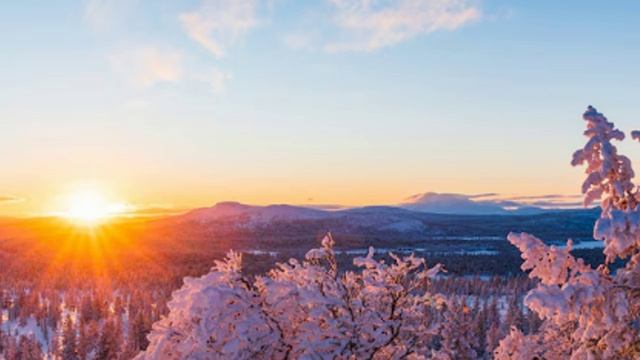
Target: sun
{"x":90,"y":207}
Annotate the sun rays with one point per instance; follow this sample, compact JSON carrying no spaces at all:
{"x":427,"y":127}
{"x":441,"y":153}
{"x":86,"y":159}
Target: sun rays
{"x":90,"y":207}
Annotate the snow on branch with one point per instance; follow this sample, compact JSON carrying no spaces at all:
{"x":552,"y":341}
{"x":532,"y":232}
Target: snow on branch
{"x":304,"y":309}
{"x":588,"y":313}
{"x":608,"y":173}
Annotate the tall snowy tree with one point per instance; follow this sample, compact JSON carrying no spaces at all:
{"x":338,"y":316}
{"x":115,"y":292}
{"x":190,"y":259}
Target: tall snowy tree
{"x":459,"y":338}
{"x":588,"y":313}
{"x":110,"y":342}
{"x":515,"y":317}
{"x":29,"y":349}
{"x":139,"y":326}
{"x":89,"y":336}
{"x":69,"y":340}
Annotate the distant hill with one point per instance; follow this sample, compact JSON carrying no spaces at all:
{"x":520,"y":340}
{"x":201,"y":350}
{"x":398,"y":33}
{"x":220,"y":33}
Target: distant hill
{"x":452,"y":204}
{"x":285,"y":230}
{"x":403,"y":217}
{"x":255,"y":214}
{"x":282,"y":223}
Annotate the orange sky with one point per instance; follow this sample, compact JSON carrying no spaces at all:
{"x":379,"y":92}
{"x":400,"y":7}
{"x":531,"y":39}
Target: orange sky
{"x":358,"y":187}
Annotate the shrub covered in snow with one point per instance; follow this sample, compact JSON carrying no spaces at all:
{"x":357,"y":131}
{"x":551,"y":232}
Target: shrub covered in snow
{"x":588,"y":313}
{"x":303,"y":309}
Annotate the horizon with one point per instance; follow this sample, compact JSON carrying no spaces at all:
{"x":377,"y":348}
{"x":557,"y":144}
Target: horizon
{"x":429,"y":203}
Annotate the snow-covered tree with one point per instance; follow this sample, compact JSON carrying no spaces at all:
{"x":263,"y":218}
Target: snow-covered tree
{"x":588,"y":313}
{"x":110,"y":342}
{"x":29,"y":349}
{"x":139,"y":326}
{"x":69,"y":340}
{"x":459,"y":339}
{"x":302,"y":309}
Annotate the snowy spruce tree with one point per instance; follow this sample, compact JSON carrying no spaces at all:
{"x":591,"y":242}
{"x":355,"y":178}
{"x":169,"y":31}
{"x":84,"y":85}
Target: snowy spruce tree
{"x":69,"y":340}
{"x":303,"y":309}
{"x":588,"y":313}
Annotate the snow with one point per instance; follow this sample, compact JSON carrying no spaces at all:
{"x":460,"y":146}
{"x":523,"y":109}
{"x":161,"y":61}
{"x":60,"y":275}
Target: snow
{"x":409,"y":250}
{"x":589,"y":244}
{"x":310,"y":309}
{"x":302,"y":310}
{"x":253,"y":215}
{"x":30,"y":328}
{"x":587,"y":312}
{"x":405,"y":226}
{"x":261,"y":252}
{"x":399,"y":250}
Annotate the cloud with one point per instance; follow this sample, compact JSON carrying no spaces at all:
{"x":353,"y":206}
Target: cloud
{"x":9,"y":199}
{"x":147,"y":66}
{"x":557,"y":204}
{"x":370,"y":25}
{"x":483,"y":196}
{"x":152,"y":211}
{"x":452,"y":204}
{"x":327,"y":207}
{"x":545,"y":197}
{"x":488,"y":203}
{"x":548,"y":201}
{"x":218,"y":80}
{"x":103,"y":14}
{"x":218,"y":24}
{"x":298,"y":41}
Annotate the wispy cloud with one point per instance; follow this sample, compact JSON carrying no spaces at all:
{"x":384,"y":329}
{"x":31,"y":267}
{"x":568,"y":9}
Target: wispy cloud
{"x":102,"y":14}
{"x":545,"y":197}
{"x":488,"y":202}
{"x":218,"y":24}
{"x":483,"y":196}
{"x":152,"y":210}
{"x":218,"y":80}
{"x":544,"y":201}
{"x":147,"y":66}
{"x":369,"y":25}
{"x":299,"y":41}
{"x":8,"y":199}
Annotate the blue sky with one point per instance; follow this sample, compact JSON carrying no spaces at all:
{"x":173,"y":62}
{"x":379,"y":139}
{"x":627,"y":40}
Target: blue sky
{"x":185,"y":103}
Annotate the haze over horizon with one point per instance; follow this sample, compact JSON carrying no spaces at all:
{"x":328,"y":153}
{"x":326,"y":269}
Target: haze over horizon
{"x":429,"y":202}
{"x":176,"y":105}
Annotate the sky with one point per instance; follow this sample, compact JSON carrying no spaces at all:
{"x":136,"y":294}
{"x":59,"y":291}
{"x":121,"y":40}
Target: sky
{"x":178,"y":104}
